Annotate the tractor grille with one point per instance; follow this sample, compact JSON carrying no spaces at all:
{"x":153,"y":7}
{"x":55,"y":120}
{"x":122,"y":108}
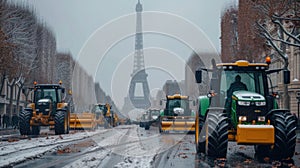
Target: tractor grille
{"x":41,"y":108}
{"x":252,"y":111}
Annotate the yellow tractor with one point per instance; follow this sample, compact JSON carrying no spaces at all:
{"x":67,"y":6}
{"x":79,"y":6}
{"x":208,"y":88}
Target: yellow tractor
{"x":46,"y":109}
{"x":177,"y":115}
{"x":105,"y":115}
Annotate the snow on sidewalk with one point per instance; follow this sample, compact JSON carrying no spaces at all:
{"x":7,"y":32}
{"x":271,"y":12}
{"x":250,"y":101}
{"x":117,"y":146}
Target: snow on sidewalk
{"x":18,"y":151}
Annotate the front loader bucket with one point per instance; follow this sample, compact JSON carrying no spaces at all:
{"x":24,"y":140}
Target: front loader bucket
{"x":177,"y":123}
{"x":83,"y":121}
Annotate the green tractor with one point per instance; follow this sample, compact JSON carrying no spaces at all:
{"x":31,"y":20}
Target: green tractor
{"x":177,"y":115}
{"x":239,"y":107}
{"x":46,"y":109}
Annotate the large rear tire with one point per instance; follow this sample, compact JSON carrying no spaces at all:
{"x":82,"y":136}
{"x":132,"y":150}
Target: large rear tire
{"x":24,"y":122}
{"x":216,"y":129}
{"x":61,"y":123}
{"x":285,"y":135}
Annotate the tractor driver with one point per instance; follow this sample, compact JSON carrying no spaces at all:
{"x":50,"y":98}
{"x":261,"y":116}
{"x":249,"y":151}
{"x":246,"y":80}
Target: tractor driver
{"x":235,"y":86}
{"x":48,"y":96}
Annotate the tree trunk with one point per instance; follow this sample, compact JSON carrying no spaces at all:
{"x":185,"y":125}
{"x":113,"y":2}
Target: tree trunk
{"x":2,"y":83}
{"x":11,"y":105}
{"x":19,"y":96}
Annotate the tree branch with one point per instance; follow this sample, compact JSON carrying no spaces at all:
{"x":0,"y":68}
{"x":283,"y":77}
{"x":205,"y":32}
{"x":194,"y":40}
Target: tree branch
{"x":285,"y":31}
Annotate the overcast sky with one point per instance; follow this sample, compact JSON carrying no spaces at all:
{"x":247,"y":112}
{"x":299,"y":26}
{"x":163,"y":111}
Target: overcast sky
{"x":73,"y":21}
{"x":76,"y":23}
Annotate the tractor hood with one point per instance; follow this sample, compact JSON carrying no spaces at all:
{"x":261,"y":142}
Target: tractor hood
{"x":247,"y":96}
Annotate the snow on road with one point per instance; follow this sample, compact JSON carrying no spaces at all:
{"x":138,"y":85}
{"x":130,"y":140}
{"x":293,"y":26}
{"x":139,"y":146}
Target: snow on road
{"x":132,"y":145}
{"x":19,"y":151}
{"x":124,"y":141}
{"x":135,"y":154}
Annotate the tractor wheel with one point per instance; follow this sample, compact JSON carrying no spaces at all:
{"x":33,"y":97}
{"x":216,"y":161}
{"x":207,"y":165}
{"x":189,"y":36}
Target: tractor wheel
{"x":67,"y":122}
{"x":262,"y":151}
{"x":24,"y":122}
{"x":216,"y":132}
{"x":61,"y":122}
{"x":159,"y":128}
{"x":107,"y":122}
{"x":35,"y":130}
{"x":147,"y":126}
{"x":200,"y":137}
{"x":285,"y":135}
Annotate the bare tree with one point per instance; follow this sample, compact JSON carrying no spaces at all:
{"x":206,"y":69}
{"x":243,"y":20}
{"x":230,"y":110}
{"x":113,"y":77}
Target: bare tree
{"x":280,"y":27}
{"x":19,"y":26}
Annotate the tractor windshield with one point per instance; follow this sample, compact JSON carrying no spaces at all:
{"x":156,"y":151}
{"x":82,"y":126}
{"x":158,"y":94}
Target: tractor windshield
{"x":46,"y":94}
{"x":178,"y":106}
{"x":242,"y":80}
{"x":155,"y":112}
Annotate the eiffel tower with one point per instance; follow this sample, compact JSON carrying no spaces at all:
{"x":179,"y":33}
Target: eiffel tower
{"x":139,"y":75}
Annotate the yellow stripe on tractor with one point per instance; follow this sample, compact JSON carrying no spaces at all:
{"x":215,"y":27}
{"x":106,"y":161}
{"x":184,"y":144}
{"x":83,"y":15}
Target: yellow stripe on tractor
{"x":255,"y":134}
{"x":177,"y":123}
{"x":84,"y":120}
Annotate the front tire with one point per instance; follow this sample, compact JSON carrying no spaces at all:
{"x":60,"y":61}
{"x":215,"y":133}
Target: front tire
{"x":147,"y":126}
{"x":24,"y":122}
{"x":200,"y":136}
{"x":61,"y":124}
{"x":285,"y":135}
{"x":216,"y":135}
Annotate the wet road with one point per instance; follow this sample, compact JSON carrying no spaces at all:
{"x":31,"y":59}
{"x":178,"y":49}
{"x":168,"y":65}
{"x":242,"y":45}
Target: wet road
{"x":121,"y":146}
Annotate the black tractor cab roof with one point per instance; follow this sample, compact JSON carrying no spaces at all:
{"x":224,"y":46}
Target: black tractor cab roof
{"x":48,"y":86}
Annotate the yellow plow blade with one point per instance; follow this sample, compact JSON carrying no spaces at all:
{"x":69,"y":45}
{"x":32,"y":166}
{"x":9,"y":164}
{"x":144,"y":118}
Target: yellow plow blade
{"x":82,"y":121}
{"x":178,"y":123}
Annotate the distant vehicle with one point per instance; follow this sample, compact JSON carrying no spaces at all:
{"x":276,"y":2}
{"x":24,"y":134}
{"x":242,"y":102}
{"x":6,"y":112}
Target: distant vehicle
{"x":149,"y":117}
{"x":106,"y":116}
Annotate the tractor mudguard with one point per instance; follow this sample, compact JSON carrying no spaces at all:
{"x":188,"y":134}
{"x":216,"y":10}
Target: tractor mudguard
{"x":204,"y":103}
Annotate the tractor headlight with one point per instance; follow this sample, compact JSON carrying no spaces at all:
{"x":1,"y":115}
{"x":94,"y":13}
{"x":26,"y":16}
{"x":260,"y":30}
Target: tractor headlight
{"x":242,"y":118}
{"x":244,"y":103}
{"x":262,"y":103}
{"x":261,"y":118}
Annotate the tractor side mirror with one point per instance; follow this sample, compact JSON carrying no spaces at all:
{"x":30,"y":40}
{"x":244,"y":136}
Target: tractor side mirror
{"x":198,"y":76}
{"x":286,"y":76}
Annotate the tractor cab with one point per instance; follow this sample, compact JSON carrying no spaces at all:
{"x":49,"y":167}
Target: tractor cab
{"x":241,"y":88}
{"x":47,"y":96}
{"x":177,"y":115}
{"x":177,"y":105}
